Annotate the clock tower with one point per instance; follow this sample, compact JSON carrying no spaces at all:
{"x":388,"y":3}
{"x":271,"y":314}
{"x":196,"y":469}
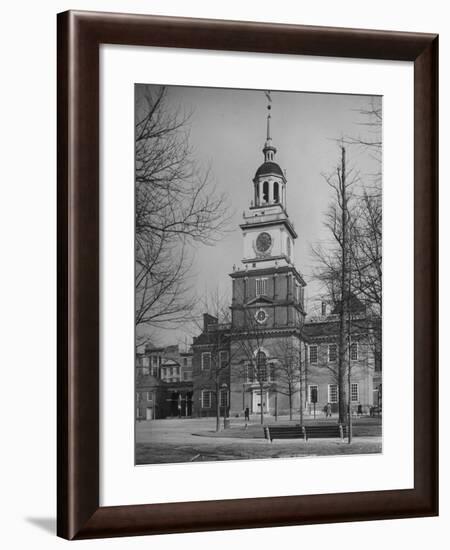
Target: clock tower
{"x":268,"y":281}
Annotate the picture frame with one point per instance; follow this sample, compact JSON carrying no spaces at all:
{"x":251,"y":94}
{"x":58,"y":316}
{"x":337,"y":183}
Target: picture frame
{"x":80,"y":35}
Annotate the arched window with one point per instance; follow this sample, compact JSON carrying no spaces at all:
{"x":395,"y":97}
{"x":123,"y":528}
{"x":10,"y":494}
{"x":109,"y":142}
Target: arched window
{"x":276,"y":192}
{"x":265,"y":196}
{"x":257,"y":193}
{"x":261,"y":366}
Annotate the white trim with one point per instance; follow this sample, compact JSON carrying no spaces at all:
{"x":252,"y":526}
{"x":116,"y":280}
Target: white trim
{"x":310,"y":386}
{"x":204,"y":392}
{"x":357,"y":351}
{"x":329,"y":393}
{"x":204,"y":353}
{"x":317,"y":354}
{"x":261,"y":283}
{"x":352,"y":385}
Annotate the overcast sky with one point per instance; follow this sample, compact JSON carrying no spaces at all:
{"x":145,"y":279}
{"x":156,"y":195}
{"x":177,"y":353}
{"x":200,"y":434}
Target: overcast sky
{"x":227,"y":134}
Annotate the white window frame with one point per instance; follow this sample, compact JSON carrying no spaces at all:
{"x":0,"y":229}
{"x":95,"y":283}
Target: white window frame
{"x":220,"y":358}
{"x":149,"y":396}
{"x":355,"y":344}
{"x":204,"y":354}
{"x":330,"y":400}
{"x":352,"y":387}
{"x":329,"y":353}
{"x":316,"y":347}
{"x":310,"y":387}
{"x":261,"y":285}
{"x":204,"y":393}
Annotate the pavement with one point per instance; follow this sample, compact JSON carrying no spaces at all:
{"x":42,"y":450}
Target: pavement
{"x":187,"y":440}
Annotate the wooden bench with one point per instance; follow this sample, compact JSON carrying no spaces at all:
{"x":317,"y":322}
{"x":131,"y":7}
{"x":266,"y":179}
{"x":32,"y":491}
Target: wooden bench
{"x":305,"y":432}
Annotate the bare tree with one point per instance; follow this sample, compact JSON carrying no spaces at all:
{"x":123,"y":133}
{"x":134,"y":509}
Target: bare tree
{"x":216,"y":332}
{"x":177,"y":207}
{"x":335,"y":270}
{"x":250,"y":337}
{"x":288,"y":369}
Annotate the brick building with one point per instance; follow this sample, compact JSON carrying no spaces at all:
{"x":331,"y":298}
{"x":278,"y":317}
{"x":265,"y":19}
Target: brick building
{"x":163,"y":382}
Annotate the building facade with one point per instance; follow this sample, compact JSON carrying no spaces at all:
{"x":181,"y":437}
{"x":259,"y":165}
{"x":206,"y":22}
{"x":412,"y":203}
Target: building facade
{"x":164,"y":385}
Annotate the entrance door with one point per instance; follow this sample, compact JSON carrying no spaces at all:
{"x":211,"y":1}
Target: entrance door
{"x":149,"y":413}
{"x":257,"y":402}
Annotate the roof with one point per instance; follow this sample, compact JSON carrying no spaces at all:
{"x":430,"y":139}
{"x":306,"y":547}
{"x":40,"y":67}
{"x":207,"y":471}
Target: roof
{"x":269,"y":168}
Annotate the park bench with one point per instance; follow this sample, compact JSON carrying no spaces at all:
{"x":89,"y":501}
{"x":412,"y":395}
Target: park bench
{"x":305,"y":432}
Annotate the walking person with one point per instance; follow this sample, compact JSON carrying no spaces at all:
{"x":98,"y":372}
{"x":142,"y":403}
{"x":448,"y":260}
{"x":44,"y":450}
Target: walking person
{"x":328,"y":410}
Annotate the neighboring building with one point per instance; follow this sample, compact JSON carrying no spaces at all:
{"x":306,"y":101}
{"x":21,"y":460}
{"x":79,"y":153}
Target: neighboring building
{"x":321,"y":378}
{"x":163,"y":383}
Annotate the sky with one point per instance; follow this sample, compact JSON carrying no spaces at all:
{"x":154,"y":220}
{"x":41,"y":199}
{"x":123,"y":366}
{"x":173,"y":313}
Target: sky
{"x":227,"y":134}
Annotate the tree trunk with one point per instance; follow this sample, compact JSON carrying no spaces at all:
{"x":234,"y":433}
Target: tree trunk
{"x":290,"y":401}
{"x":261,"y":403}
{"x":341,"y":363}
{"x":301,"y":384}
{"x":217,"y":408}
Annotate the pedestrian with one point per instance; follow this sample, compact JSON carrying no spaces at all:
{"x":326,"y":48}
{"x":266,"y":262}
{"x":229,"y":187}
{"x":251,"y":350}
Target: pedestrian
{"x":247,"y":414}
{"x":328,"y":410}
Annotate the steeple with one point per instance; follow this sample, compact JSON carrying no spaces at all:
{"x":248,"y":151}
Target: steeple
{"x":269,"y":181}
{"x":269,"y":149}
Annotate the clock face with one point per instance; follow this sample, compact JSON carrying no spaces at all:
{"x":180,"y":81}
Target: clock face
{"x":263,"y":242}
{"x":261,"y":316}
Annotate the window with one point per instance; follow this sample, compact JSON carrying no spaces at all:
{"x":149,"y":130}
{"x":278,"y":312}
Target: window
{"x":312,"y":393}
{"x":354,"y":351}
{"x":313,"y":354}
{"x":354,"y":392}
{"x":223,"y":398}
{"x":249,"y":372}
{"x":261,"y":365}
{"x":223,"y":359}
{"x":145,"y":361}
{"x":265,"y":196}
{"x":206,"y":399}
{"x":185,"y":362}
{"x":206,"y":360}
{"x":276,"y":192}
{"x":261,"y":287}
{"x":332,"y":353}
{"x":332,"y":393}
{"x":272,"y":372}
{"x":149,"y":396}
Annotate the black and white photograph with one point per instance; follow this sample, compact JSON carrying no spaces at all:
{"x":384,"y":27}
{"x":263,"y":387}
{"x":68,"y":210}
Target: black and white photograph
{"x":258,"y":274}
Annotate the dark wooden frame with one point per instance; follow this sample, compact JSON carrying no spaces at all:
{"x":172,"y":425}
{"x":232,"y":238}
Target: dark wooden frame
{"x":79,"y":36}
